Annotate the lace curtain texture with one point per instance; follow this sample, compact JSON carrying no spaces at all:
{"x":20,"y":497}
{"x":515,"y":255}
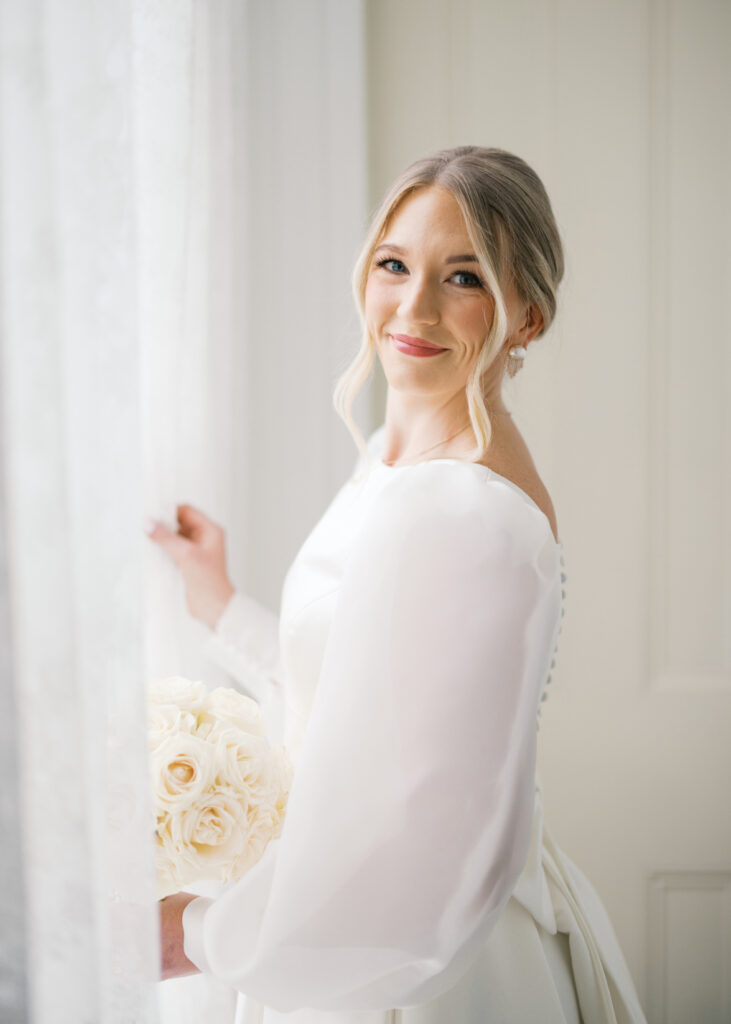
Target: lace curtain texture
{"x":108,"y":248}
{"x":72,"y":481}
{"x":142,"y":155}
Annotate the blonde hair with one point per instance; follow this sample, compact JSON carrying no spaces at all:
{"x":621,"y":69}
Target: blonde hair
{"x":510,"y":223}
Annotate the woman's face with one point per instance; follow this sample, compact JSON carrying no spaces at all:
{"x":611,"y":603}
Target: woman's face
{"x":425,"y":283}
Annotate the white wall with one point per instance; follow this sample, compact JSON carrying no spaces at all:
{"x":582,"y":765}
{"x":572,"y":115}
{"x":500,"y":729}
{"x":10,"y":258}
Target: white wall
{"x":622,"y":108}
{"x":306,"y":176}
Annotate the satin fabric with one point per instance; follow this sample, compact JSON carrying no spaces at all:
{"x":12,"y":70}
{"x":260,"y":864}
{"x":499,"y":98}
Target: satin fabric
{"x":414,"y":879}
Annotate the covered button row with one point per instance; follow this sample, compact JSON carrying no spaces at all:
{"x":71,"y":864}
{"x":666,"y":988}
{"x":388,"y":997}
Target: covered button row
{"x":544,"y":695}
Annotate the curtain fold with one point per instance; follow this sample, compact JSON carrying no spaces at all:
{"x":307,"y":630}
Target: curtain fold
{"x":151,"y":185}
{"x":70,"y":191}
{"x":121,"y":200}
{"x":13,"y":970}
{"x":193,"y":302}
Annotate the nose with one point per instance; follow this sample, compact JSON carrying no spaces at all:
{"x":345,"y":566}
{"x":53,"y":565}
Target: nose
{"x":418,"y":302}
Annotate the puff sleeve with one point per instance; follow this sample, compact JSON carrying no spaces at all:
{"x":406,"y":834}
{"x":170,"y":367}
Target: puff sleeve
{"x":411,"y":809}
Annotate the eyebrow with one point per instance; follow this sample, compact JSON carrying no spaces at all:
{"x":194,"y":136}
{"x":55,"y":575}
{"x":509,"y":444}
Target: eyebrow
{"x":466,"y":257}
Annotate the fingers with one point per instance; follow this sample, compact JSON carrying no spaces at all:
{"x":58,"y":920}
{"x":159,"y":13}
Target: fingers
{"x":194,"y":527}
{"x":173,"y":543}
{"x":190,"y":513}
{"x":197,"y":526}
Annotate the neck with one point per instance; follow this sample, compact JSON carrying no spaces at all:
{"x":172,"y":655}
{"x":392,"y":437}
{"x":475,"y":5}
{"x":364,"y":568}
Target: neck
{"x":414,"y":424}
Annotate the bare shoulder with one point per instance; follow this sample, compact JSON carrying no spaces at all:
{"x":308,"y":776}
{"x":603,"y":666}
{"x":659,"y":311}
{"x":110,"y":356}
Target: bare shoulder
{"x":509,"y":457}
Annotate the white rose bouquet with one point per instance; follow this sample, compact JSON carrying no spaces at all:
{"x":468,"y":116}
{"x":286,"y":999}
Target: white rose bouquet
{"x":220,"y":789}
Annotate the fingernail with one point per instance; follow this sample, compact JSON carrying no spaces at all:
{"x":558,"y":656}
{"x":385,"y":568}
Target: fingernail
{"x":149,"y":526}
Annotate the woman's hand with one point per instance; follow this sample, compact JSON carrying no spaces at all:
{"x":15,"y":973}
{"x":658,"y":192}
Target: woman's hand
{"x":174,"y":962}
{"x":199,"y":551}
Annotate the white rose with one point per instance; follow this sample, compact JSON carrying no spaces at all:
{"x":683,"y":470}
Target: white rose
{"x":164,"y":720}
{"x":263,"y":825}
{"x":212,"y":833}
{"x":186,"y":694}
{"x":226,"y":707}
{"x":246,"y":762}
{"x":182,"y":770}
{"x":173,"y":871}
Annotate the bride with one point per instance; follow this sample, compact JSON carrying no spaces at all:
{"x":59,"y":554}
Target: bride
{"x":415,"y":879}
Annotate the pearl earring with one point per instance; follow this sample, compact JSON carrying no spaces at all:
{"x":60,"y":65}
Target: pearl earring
{"x":516,"y":355}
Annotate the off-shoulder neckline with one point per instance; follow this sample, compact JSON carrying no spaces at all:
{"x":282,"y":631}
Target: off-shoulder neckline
{"x":492,"y":474}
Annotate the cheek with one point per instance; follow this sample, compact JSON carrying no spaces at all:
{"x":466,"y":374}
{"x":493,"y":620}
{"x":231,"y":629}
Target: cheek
{"x":375,"y":301}
{"x":478,"y":320}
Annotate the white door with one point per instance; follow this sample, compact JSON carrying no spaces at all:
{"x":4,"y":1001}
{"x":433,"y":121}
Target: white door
{"x":622,"y":108}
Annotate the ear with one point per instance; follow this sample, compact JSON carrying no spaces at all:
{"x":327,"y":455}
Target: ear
{"x":530,"y":324}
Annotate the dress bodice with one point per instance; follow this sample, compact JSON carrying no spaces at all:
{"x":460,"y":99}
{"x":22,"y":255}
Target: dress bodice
{"x":311,"y":586}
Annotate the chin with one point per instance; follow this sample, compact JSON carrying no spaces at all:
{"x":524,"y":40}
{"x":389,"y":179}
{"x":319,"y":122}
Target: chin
{"x":417,"y":375}
{"x":414,"y":383}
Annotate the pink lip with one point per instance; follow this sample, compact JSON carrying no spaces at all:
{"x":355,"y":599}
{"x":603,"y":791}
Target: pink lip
{"x":415,"y":346}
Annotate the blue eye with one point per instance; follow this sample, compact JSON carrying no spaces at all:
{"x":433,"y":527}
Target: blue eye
{"x":382,"y":263}
{"x":474,"y":282}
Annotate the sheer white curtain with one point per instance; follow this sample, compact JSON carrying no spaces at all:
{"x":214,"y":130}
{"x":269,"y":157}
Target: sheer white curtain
{"x":192,"y":138}
{"x":182,"y":192}
{"x":73,"y":486}
{"x":112,"y":276}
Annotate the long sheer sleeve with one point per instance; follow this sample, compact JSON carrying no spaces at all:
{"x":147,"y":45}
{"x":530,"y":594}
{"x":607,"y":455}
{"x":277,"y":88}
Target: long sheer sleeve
{"x":245,"y":643}
{"x":245,"y":640}
{"x":411,"y":809}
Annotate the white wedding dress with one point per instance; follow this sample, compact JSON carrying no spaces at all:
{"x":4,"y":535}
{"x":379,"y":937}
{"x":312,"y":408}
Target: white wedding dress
{"x":414,"y":880}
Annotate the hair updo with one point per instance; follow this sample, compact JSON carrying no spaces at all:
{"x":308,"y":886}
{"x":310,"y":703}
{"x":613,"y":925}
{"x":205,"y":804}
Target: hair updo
{"x":510,"y":223}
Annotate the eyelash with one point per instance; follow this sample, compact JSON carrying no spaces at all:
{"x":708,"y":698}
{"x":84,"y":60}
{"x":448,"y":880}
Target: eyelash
{"x":478,"y":283}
